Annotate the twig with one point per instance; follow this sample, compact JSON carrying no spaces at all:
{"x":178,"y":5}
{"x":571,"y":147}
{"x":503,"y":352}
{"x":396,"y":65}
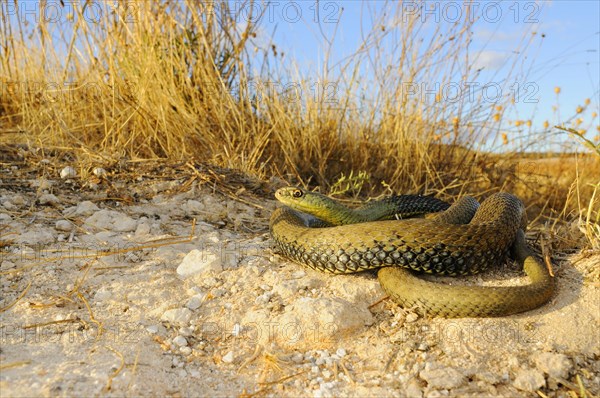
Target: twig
{"x":116,"y":372}
{"x":23,"y":293}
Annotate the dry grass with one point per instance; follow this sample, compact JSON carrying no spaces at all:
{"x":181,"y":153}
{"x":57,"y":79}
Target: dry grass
{"x":177,"y":80}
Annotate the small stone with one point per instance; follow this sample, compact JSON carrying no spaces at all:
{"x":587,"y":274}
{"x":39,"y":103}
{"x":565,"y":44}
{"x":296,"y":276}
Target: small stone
{"x":186,"y":331}
{"x":488,"y":377}
{"x":153,"y":329}
{"x":103,"y":294}
{"x":553,"y":364}
{"x":195,"y":301}
{"x":332,"y":317}
{"x":36,"y":236}
{"x":185,"y":350}
{"x":297,"y":358}
{"x":112,"y":220}
{"x":63,"y":225}
{"x":48,"y":199}
{"x":444,"y":378}
{"x":423,"y":347}
{"x":42,"y":184}
{"x":413,"y":389}
{"x":194,"y":207}
{"x":17,"y":200}
{"x":142,"y":230}
{"x":298,"y":274}
{"x":177,"y":316}
{"x":99,"y":172}
{"x":68,"y":172}
{"x":529,"y":380}
{"x":180,"y":341}
{"x":341,"y":352}
{"x":196,"y":262}
{"x":86,"y":208}
{"x":228,"y":358}
{"x":412,"y":317}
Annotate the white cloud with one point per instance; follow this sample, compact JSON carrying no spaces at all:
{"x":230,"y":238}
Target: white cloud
{"x":490,"y":60}
{"x":485,"y":35}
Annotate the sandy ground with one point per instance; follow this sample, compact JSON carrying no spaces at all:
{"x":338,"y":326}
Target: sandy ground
{"x":137,"y":298}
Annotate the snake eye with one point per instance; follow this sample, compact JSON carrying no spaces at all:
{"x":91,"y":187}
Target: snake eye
{"x":297,"y":193}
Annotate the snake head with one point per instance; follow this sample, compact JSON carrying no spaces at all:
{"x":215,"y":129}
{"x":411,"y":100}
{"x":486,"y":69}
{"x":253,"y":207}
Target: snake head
{"x":287,"y":194}
{"x":312,"y":203}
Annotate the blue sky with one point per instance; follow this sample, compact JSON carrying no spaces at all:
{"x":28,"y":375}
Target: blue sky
{"x":566,"y":57}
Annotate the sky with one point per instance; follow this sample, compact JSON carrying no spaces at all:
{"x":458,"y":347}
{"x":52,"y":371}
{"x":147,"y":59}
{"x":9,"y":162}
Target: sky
{"x":564,"y":53}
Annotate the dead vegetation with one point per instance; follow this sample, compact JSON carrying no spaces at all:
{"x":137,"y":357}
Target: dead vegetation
{"x":176,"y":81}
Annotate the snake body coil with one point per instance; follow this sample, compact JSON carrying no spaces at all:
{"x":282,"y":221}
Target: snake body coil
{"x":464,"y":239}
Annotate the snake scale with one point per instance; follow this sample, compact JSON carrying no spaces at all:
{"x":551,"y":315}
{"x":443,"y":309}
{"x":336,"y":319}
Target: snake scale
{"x":461,"y":239}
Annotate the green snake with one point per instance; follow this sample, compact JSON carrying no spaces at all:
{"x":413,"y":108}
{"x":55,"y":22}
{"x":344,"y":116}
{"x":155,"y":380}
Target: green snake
{"x":463,"y":239}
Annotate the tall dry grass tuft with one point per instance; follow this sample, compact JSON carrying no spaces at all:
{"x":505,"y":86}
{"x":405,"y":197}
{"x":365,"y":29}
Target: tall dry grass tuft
{"x":186,"y":79}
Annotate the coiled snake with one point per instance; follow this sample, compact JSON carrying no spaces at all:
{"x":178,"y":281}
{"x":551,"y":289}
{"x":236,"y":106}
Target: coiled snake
{"x":463,"y":239}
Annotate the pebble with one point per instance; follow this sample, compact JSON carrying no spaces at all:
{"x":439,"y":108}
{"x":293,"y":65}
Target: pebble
{"x":529,"y":380}
{"x":194,"y":207}
{"x":142,"y":230}
{"x":112,"y":220}
{"x":9,"y":206}
{"x":298,"y":358}
{"x":180,"y":341}
{"x":309,"y":321}
{"x":99,"y":172}
{"x":177,"y":316}
{"x":68,"y":172}
{"x":413,"y":389}
{"x":18,"y":200}
{"x":195,"y":301}
{"x":412,"y":317}
{"x":423,"y":347}
{"x":186,"y":331}
{"x":555,"y":365}
{"x":444,"y":378}
{"x":199,"y":262}
{"x":63,"y":225}
{"x":228,"y":358}
{"x":341,"y":352}
{"x":263,"y":298}
{"x":42,"y":184}
{"x":185,"y":350}
{"x":103,"y":294}
{"x":48,"y":199}
{"x":153,"y":329}
{"x":298,"y":274}
{"x":86,"y":208}
{"x":287,"y":289}
{"x":36,"y":236}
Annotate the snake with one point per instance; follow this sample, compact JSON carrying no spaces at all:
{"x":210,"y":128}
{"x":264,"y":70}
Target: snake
{"x":404,"y":236}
